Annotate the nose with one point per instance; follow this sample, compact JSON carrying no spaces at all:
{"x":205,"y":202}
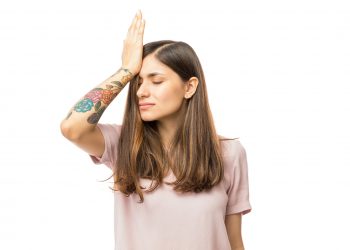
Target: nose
{"x":143,"y":91}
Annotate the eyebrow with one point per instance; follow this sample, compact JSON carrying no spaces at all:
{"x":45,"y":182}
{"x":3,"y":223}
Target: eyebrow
{"x":152,"y":74}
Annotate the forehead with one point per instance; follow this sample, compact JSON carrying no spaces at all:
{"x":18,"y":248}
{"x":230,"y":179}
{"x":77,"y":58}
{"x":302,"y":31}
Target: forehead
{"x":151,"y":66}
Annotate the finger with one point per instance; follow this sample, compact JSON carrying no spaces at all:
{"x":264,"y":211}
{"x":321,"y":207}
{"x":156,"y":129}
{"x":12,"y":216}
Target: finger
{"x":140,"y":14}
{"x":133,"y":24}
{"x":142,"y":28}
{"x":137,"y":21}
{"x":138,"y":24}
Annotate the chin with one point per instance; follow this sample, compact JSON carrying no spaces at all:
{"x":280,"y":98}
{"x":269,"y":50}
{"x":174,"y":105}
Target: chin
{"x":147,"y":118}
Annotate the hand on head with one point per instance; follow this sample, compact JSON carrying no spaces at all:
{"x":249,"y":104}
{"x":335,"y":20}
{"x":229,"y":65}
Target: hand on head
{"x":133,"y":45}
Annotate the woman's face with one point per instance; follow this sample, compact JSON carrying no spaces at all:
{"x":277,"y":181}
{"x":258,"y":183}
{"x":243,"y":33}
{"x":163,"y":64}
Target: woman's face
{"x":163,"y":88}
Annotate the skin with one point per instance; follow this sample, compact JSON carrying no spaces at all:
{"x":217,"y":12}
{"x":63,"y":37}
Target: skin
{"x":98,"y":98}
{"x":233,"y":224}
{"x":167,"y":91}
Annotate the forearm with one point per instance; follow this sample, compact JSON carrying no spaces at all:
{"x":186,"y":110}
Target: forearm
{"x":86,"y":113}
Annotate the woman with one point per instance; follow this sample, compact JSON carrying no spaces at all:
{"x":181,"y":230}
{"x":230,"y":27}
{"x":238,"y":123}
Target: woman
{"x":200,"y":180}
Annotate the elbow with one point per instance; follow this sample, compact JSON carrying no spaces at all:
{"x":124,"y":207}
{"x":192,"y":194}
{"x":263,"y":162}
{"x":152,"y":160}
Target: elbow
{"x":68,"y":132}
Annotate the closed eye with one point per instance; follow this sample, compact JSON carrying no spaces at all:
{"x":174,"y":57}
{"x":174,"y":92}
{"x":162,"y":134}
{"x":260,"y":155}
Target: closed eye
{"x":139,"y":83}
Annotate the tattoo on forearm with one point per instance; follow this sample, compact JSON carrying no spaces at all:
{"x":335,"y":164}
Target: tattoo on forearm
{"x":118,"y":84}
{"x":95,"y":117}
{"x":99,"y":98}
{"x":127,"y":78}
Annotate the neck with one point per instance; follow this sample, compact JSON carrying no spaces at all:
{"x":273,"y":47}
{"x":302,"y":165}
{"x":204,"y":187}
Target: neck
{"x":167,"y":127}
{"x":167,"y":131}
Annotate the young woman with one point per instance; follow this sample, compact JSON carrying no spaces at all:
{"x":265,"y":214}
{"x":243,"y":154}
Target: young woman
{"x":177,"y":184}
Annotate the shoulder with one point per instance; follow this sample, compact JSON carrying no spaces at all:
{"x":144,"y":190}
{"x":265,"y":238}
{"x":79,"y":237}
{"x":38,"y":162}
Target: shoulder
{"x":231,"y":148}
{"x":234,"y":160}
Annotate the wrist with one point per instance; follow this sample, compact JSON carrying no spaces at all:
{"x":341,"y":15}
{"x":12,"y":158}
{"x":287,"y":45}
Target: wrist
{"x":127,"y":74}
{"x":127,"y":70}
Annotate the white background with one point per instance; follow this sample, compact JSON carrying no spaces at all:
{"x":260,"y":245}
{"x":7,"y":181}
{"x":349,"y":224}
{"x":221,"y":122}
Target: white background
{"x":278,"y":78}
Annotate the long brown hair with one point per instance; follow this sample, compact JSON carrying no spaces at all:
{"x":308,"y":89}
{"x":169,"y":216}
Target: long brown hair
{"x":195,"y":155}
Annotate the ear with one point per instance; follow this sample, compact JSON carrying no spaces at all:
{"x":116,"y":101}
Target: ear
{"x":191,"y":87}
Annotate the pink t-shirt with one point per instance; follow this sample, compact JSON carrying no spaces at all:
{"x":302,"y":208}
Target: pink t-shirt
{"x":168,"y":220}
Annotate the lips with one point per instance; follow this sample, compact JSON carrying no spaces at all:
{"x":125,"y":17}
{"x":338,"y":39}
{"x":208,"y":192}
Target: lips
{"x":145,"y":105}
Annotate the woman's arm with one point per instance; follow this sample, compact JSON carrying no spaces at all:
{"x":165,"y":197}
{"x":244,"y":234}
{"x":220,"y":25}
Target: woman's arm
{"x":85,"y":114}
{"x":233,"y":226}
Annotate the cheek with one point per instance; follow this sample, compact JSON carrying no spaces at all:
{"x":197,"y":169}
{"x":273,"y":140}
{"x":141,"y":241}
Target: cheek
{"x":170,"y":96}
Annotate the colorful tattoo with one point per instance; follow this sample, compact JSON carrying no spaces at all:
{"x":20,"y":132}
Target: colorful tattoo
{"x":95,"y":117}
{"x":127,"y":78}
{"x":107,"y":95}
{"x":118,"y":84}
{"x":100,"y":98}
{"x":84,"y":105}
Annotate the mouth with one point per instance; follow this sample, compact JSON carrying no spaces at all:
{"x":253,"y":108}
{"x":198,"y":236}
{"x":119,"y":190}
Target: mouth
{"x":145,"y":106}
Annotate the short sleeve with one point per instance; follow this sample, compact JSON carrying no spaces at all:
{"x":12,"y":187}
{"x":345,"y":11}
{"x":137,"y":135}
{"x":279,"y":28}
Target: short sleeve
{"x":111,"y":134}
{"x":238,"y":191}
